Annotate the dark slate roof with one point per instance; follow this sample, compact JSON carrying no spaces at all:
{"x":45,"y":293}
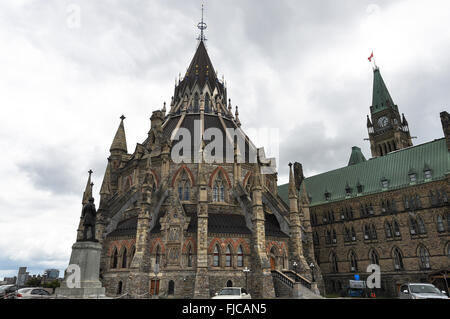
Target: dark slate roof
{"x":222,"y":224}
{"x":201,"y":71}
{"x":394,"y":167}
{"x":272,"y":227}
{"x":125,"y":227}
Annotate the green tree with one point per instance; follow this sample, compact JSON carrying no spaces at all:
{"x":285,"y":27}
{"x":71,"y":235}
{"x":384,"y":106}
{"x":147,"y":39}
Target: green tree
{"x":33,"y":282}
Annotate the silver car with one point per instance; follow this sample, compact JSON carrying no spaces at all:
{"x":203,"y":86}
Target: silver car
{"x":421,"y":291}
{"x":232,"y":293}
{"x":32,"y":293}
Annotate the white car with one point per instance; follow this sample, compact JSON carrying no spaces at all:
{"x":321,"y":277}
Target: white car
{"x":232,"y":293}
{"x":421,"y":291}
{"x":32,"y":293}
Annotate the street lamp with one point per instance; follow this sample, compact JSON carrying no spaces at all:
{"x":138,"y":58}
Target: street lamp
{"x":295,"y":270}
{"x":246,"y":271}
{"x":312,"y":271}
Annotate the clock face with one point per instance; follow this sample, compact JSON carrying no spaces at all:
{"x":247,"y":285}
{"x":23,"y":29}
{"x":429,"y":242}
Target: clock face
{"x":383,"y":121}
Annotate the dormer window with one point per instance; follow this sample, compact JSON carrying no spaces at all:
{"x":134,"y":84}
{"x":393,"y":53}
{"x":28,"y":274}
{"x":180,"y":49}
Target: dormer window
{"x":427,"y":174}
{"x":359,"y":188}
{"x":327,"y":195}
{"x":384,"y":183}
{"x":348,"y":191}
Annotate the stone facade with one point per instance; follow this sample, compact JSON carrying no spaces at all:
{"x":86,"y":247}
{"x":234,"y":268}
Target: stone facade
{"x":186,"y":228}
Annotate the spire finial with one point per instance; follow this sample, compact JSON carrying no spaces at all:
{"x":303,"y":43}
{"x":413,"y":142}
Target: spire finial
{"x":123,"y":117}
{"x":202,"y":26}
{"x":90,"y":172}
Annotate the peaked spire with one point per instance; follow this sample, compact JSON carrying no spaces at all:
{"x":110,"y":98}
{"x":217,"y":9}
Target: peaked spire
{"x":104,"y":190}
{"x":381,"y":99}
{"x":201,"y":69}
{"x":88,"y":190}
{"x":356,"y":157}
{"x":120,"y":142}
{"x":292,"y":188}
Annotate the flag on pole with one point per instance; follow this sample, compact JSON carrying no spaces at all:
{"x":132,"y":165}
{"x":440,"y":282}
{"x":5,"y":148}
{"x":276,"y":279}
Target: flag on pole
{"x":371,"y":57}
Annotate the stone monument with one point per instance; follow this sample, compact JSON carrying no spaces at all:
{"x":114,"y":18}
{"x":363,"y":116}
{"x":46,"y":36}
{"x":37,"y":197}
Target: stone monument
{"x":81,"y":279}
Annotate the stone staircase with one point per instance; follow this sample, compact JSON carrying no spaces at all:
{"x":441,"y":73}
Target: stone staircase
{"x":289,"y":284}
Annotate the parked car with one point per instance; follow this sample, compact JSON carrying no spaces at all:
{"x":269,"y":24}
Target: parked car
{"x":232,"y":293}
{"x":32,"y":293}
{"x":7,"y":291}
{"x":421,"y":291}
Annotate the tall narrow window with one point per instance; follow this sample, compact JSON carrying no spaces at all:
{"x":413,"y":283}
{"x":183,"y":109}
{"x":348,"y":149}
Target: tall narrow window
{"x":334,"y":263}
{"x":353,"y":262}
{"x":240,"y":257}
{"x":412,"y":226}
{"x":115,"y":258}
{"x":207,"y":103}
{"x":373,"y":232}
{"x":388,"y":229}
{"x":228,"y":257}
{"x":216,"y":257}
{"x":184,"y":187}
{"x":334,"y":237}
{"x":396,"y":229}
{"x":366,"y":232}
{"x":421,"y":225}
{"x":424,"y":258}
{"x":158,"y":255}
{"x":440,"y":224}
{"x":124,"y":258}
{"x":189,"y":256}
{"x":353,"y":234}
{"x":196,"y":103}
{"x":374,"y":257}
{"x":219,"y":189}
{"x":398,"y":259}
{"x":328,"y":238}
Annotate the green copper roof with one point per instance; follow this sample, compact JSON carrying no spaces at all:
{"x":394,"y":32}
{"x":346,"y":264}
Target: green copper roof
{"x":394,"y":167}
{"x":356,"y":157}
{"x":381,"y":99}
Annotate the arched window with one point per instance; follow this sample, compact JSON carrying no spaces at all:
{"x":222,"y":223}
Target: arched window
{"x":412,"y":226}
{"x":353,"y":262}
{"x":158,"y":255}
{"x":184,"y":187}
{"x":229,"y":283}
{"x":216,"y":257}
{"x":424,"y":258}
{"x":398,"y":259}
{"x":373,"y":232}
{"x":119,"y":288}
{"x":396,"y":229}
{"x":228,"y":257}
{"x":334,"y":263}
{"x":440,"y":224}
{"x":388,"y":229}
{"x":366,"y":232}
{"x":374,"y":257}
{"x":114,"y":259}
{"x":196,"y":103}
{"x":189,"y":256}
{"x":124,"y":258}
{"x":133,"y":251}
{"x":207,"y":103}
{"x":334,"y":237}
{"x":353,"y":234}
{"x":421,"y":225}
{"x":219,"y":189}
{"x":240,"y":257}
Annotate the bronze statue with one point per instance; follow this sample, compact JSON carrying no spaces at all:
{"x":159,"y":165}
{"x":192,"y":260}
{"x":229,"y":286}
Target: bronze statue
{"x":88,"y":215}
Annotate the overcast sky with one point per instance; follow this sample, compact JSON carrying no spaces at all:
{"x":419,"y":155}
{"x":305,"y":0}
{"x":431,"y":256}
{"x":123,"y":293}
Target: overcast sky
{"x":70,"y":69}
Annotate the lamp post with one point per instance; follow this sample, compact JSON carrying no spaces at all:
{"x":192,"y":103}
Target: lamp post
{"x":312,"y":271}
{"x":295,"y":270}
{"x":246,"y":271}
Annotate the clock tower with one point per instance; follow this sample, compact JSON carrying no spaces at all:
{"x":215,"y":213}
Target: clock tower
{"x":388,"y":131}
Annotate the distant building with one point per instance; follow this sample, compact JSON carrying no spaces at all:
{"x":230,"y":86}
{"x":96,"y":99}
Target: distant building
{"x":51,"y":274}
{"x":22,"y":276}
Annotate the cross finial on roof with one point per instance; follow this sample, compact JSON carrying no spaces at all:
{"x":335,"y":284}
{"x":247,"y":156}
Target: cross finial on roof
{"x":90,"y":172}
{"x":202,"y":26}
{"x":123,"y":117}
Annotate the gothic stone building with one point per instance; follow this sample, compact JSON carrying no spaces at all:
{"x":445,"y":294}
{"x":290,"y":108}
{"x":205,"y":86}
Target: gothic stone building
{"x":186,"y":229}
{"x":391,"y":210}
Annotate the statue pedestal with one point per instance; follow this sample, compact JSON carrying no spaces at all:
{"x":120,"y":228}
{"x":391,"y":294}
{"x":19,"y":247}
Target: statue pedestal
{"x":85,"y":283}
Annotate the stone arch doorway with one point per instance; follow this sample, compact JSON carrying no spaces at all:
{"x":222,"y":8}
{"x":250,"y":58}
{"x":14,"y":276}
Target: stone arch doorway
{"x":171,"y":288}
{"x":229,"y":283}
{"x":273,"y":265}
